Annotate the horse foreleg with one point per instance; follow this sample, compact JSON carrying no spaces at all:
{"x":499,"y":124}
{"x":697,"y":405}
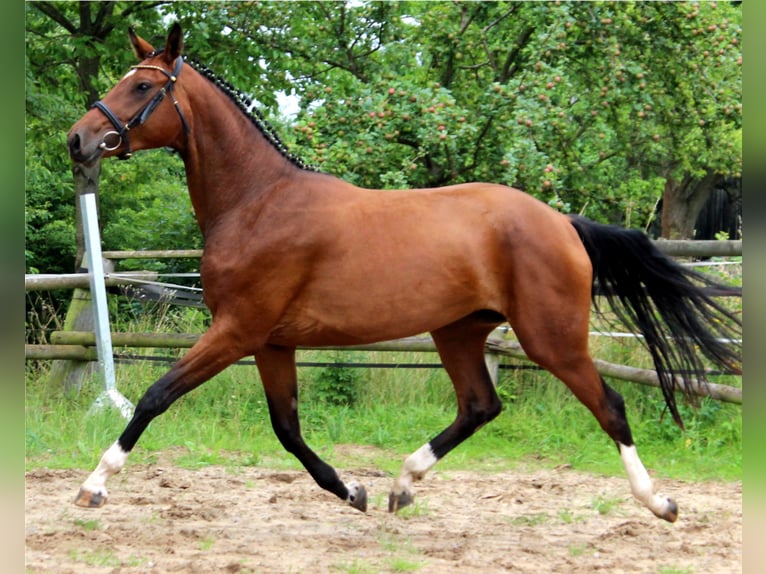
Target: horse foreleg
{"x":210,"y":355}
{"x":276,"y":366}
{"x":461,"y":349}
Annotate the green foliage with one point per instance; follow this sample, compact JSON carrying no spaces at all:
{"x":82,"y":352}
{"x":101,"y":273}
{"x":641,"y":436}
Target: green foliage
{"x":147,"y":207}
{"x":75,"y":52}
{"x":334,"y":385}
{"x":590,"y":106}
{"x":577,"y":103}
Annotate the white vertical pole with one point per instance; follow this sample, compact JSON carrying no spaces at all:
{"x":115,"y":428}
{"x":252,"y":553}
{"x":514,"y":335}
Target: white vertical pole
{"x":101,"y":311}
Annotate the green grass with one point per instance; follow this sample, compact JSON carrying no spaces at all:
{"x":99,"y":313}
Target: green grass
{"x":605,"y":506}
{"x":226,"y":421}
{"x":100,"y":558}
{"x":577,"y":550}
{"x":530,"y":519}
{"x":356,"y":567}
{"x":399,"y":564}
{"x":88,"y":525}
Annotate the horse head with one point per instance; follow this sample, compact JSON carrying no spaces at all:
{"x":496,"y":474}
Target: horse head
{"x":119,"y":123}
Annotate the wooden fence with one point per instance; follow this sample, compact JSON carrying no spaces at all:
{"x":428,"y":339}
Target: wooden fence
{"x":79,"y":345}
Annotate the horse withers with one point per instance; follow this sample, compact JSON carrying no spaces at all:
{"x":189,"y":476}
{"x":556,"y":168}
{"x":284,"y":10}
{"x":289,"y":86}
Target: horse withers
{"x":293,"y":257}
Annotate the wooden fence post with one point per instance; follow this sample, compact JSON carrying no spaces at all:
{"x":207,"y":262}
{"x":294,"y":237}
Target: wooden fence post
{"x":491,"y":358}
{"x":493,"y":366}
{"x":79,"y":317}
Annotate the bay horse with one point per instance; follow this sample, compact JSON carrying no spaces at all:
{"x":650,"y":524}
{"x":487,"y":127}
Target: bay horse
{"x":294,"y":257}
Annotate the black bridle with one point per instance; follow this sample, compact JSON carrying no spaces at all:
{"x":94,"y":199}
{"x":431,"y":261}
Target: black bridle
{"x":143,"y":114}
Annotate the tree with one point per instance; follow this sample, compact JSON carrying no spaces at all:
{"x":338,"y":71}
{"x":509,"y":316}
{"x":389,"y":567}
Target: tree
{"x":599,"y":108}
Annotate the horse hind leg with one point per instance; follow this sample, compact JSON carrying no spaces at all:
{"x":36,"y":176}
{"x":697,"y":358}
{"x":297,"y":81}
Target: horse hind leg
{"x":461,"y":349}
{"x":609,"y":408}
{"x":617,"y":428}
{"x":565,"y":356}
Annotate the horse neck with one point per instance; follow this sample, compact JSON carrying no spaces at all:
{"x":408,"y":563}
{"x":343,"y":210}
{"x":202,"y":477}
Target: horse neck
{"x":228,"y":159}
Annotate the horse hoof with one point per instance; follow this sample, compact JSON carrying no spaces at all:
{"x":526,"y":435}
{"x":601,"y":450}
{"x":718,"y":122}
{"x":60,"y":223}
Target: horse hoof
{"x":397,"y":501}
{"x":359,"y":501}
{"x":88,"y":499}
{"x":671,"y":512}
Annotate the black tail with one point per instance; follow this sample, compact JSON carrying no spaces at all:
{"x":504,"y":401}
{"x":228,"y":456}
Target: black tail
{"x":672,"y":306}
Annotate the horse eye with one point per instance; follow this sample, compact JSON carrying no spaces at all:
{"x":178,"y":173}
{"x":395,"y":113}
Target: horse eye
{"x":143,"y":87}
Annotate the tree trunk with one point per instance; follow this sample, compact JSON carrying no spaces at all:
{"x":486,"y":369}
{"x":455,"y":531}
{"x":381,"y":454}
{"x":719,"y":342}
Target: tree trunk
{"x":682,"y":202}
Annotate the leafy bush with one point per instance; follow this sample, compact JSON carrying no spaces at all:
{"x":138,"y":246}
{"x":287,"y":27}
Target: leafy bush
{"x":335,"y":384}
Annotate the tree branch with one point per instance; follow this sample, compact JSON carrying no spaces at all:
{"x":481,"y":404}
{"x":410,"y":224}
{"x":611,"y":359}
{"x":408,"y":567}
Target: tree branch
{"x":56,"y":15}
{"x":511,"y":65}
{"x":514,"y":7}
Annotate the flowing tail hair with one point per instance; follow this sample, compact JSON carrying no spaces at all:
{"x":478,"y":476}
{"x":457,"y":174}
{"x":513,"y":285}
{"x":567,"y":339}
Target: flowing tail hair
{"x":671,"y":306}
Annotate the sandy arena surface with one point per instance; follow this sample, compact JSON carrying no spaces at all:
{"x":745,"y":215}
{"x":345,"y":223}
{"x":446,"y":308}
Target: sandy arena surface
{"x":161,"y":518}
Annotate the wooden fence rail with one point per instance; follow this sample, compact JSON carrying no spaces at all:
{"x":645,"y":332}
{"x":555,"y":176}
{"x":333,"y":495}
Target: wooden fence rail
{"x":81,"y":345}
{"x":44,"y":282}
{"x":699,"y":248}
{"x":49,"y":281}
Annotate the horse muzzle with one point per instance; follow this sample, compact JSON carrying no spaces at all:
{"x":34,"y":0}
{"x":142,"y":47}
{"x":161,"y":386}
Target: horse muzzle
{"x":88,"y":149}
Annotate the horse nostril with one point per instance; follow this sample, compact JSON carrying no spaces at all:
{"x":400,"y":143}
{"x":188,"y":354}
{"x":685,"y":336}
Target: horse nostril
{"x":74,"y":144}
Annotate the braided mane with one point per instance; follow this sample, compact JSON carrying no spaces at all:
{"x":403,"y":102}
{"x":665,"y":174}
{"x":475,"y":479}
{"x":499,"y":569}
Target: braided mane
{"x":246,"y":106}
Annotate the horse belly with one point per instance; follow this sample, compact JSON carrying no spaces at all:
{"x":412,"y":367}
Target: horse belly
{"x":341,"y":324}
{"x":376,"y":297}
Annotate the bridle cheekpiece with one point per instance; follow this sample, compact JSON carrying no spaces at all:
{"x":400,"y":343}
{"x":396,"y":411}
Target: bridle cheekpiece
{"x":121,"y":130}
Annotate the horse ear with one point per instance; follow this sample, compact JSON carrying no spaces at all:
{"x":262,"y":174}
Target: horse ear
{"x":141,"y":47}
{"x":174,"y":44}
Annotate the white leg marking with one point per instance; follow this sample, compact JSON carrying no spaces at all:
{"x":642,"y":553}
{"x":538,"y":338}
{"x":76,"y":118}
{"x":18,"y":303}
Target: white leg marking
{"x":353,"y":490}
{"x":641,"y":485}
{"x":111,"y":463}
{"x":357,"y":496}
{"x":414,"y":468}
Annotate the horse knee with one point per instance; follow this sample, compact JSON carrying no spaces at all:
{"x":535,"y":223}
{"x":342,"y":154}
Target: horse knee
{"x":287,"y":434}
{"x":155,"y":401}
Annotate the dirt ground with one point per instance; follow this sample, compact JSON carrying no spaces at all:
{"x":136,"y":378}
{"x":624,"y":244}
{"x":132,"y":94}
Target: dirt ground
{"x":161,"y":518}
